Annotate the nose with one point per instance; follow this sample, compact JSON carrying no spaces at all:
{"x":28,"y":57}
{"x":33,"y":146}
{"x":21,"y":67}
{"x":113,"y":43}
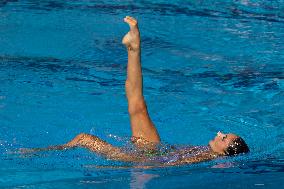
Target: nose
{"x":220,"y":134}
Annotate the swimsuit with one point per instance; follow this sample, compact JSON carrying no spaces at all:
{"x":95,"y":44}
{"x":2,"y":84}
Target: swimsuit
{"x":176,"y":154}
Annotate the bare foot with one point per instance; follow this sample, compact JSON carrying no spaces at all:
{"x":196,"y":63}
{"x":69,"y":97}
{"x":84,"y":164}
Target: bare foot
{"x":132,"y":39}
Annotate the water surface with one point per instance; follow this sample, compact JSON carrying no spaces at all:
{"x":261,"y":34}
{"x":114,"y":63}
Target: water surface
{"x":207,"y":66}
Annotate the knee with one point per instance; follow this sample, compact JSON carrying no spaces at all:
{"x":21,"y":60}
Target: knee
{"x":84,"y":136}
{"x":136,"y":107}
{"x":81,"y":135}
{"x":83,"y":139}
{"x":77,"y":140}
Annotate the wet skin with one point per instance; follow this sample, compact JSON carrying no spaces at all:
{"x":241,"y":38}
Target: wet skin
{"x":144,"y":133}
{"x":221,"y":142}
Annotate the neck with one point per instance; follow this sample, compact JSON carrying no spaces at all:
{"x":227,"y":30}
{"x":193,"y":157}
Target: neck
{"x":212,"y":153}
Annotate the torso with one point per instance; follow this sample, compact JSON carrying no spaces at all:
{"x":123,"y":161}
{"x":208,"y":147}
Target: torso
{"x":180,"y":154}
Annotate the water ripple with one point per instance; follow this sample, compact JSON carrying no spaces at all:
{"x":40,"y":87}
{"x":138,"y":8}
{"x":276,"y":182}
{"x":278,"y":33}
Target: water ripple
{"x":262,"y":11}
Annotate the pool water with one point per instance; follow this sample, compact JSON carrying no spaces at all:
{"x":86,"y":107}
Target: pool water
{"x":207,"y":65}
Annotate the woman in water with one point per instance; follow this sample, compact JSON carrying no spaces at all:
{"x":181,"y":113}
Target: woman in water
{"x":144,"y":134}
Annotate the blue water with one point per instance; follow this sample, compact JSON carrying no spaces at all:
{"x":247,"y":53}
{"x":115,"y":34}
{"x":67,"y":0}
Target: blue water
{"x":207,"y":65}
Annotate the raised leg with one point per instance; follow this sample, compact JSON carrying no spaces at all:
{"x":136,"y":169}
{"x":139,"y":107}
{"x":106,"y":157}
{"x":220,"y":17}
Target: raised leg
{"x":143,"y":129}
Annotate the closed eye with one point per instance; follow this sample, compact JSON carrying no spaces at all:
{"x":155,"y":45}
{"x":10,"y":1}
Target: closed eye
{"x":224,"y":137}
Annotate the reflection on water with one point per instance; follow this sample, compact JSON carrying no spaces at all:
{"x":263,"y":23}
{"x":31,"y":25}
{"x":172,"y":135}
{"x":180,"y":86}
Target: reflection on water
{"x":140,"y":179}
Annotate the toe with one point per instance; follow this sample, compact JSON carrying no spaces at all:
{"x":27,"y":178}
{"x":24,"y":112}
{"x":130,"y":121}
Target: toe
{"x":131,"y":21}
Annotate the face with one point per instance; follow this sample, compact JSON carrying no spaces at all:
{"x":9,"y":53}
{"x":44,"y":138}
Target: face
{"x":221,"y":142}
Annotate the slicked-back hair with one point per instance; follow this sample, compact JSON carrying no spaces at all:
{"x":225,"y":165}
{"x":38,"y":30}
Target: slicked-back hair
{"x":237,"y":146}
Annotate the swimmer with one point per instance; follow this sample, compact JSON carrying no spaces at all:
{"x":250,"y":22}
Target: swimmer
{"x":145,"y":136}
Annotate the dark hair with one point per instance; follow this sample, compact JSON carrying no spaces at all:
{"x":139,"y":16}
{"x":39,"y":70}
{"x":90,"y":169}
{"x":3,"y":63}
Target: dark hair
{"x":237,"y":146}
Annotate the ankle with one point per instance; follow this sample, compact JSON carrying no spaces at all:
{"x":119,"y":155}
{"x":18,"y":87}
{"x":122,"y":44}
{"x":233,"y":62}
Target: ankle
{"x":132,"y":49}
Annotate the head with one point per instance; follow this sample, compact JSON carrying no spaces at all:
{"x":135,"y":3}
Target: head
{"x":228,"y":144}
